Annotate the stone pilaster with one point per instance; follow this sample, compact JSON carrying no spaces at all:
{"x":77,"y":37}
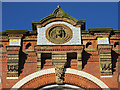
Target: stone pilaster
{"x":59,"y":61}
{"x":79,"y":60}
{"x":38,"y":61}
{"x":105,"y":59}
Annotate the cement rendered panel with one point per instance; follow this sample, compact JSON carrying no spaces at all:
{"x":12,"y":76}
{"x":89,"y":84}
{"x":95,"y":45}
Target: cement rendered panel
{"x":15,"y":42}
{"x":12,"y":78}
{"x":41,"y":37}
{"x":103,"y":40}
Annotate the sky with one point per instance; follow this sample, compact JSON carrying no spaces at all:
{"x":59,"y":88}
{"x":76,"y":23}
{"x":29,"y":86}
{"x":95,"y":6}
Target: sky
{"x":19,"y":15}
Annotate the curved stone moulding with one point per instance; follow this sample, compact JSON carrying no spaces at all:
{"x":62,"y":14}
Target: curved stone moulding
{"x":68,"y":70}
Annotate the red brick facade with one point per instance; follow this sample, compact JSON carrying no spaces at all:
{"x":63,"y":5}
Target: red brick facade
{"x":90,"y":50}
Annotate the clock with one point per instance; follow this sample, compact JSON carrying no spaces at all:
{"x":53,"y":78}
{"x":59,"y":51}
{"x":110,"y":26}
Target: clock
{"x":59,"y":34}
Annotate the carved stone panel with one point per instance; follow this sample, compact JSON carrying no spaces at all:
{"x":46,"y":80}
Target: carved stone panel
{"x":105,"y":59}
{"x":105,"y":63}
{"x":59,"y":34}
{"x":59,"y":70}
{"x":13,"y":61}
{"x":106,"y":67}
{"x":12,"y":69}
{"x":12,"y":64}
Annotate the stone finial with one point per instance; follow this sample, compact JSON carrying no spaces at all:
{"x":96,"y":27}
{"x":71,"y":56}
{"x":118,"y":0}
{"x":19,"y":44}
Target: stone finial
{"x":58,"y":6}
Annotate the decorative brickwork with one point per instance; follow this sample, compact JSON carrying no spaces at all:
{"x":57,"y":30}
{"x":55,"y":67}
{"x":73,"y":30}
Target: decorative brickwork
{"x":65,"y":48}
{"x":58,"y":51}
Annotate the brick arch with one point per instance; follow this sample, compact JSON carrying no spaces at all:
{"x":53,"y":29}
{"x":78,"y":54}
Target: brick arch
{"x":72,"y":76}
{"x":49,"y":79}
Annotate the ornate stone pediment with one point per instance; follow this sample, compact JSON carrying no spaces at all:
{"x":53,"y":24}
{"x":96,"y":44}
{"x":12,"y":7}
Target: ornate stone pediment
{"x":57,"y":15}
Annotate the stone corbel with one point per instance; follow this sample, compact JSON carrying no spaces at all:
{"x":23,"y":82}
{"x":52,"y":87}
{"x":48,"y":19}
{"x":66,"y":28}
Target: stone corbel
{"x":59,"y":71}
{"x":59,"y":61}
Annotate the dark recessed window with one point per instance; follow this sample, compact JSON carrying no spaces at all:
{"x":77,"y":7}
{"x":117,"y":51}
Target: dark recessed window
{"x":88,"y":44}
{"x":116,"y":44}
{"x":28,"y":45}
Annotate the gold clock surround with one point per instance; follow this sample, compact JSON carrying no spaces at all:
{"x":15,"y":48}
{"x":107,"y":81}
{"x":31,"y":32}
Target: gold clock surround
{"x":59,"y":34}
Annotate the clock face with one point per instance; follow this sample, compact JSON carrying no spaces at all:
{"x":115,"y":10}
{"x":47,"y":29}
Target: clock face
{"x":59,"y":34}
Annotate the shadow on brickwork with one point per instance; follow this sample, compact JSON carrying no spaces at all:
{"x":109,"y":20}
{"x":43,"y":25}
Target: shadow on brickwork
{"x":22,"y":58}
{"x":85,"y":57}
{"x":71,"y":56}
{"x":114,"y":60}
{"x":45,"y":56}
